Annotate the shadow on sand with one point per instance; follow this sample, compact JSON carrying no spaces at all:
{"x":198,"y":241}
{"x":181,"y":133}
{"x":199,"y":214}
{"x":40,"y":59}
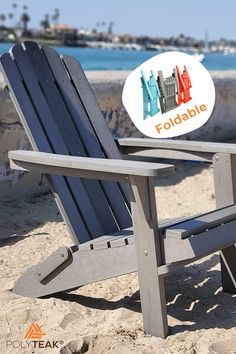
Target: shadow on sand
{"x":193,"y":296}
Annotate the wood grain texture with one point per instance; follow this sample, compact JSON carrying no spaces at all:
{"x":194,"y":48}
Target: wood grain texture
{"x":202,"y":223}
{"x":89,"y":164}
{"x":186,"y":145}
{"x":87,"y":134}
{"x":149,"y":256}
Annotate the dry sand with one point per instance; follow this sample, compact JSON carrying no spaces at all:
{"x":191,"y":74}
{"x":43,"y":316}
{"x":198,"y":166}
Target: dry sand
{"x":105,"y":317}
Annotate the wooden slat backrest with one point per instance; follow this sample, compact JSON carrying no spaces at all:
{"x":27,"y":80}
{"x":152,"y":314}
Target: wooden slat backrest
{"x":89,"y":122}
{"x":93,"y":110}
{"x":56,"y":120}
{"x":66,"y":112}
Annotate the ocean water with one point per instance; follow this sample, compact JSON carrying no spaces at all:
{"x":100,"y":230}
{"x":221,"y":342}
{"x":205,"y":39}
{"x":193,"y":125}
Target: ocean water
{"x":108,"y":59}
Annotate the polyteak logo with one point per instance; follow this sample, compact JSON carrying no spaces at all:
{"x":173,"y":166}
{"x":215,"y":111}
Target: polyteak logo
{"x":33,"y":340}
{"x":34,"y":332}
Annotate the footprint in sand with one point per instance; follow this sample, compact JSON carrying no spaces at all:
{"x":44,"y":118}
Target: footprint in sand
{"x":224,"y":347}
{"x":79,"y":346}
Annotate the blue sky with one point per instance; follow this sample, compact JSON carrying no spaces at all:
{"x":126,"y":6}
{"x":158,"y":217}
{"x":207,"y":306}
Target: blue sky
{"x":151,"y":17}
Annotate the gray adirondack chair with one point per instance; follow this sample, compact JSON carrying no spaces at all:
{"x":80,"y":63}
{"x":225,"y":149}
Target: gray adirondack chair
{"x":169,"y":88}
{"x":94,"y":188}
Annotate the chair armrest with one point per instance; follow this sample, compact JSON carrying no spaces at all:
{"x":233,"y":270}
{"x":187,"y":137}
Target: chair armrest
{"x":86,"y":167}
{"x":179,"y":149}
{"x":201,"y":146}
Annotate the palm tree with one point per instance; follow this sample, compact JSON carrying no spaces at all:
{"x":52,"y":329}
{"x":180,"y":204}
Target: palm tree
{"x":10,"y":16}
{"x":2,"y":19}
{"x":55,"y":16}
{"x":110,"y":28}
{"x":14,"y":6}
{"x":25,"y":19}
{"x":45,"y":23}
{"x":103,"y":24}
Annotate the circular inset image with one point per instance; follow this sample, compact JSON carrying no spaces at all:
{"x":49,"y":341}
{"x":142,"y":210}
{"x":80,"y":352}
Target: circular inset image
{"x":169,"y":95}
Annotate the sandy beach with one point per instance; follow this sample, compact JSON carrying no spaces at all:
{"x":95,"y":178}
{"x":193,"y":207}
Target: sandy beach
{"x":106,"y":317}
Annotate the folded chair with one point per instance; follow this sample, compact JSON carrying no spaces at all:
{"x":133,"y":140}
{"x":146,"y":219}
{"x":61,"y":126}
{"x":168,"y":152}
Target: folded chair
{"x":94,"y":188}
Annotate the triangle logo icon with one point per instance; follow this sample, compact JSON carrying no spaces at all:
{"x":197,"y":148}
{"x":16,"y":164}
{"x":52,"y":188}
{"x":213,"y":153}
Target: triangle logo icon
{"x":34,"y":332}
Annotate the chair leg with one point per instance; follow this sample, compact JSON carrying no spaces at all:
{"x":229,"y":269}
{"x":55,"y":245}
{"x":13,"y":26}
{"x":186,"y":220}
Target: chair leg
{"x":224,"y":166}
{"x":148,"y":251}
{"x":153,"y":304}
{"x":228,"y":269}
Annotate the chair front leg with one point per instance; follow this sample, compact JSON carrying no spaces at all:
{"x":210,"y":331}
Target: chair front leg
{"x":148,"y":252}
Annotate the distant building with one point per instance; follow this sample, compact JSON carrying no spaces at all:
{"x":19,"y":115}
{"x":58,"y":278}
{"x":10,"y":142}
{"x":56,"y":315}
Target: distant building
{"x":7,"y":34}
{"x":59,"y":30}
